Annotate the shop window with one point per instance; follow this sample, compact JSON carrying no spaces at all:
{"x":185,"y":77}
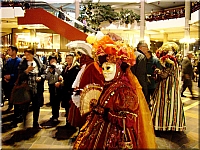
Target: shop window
{"x":5,"y":40}
{"x":40,"y":41}
{"x":47,"y":41}
{"x":22,"y":40}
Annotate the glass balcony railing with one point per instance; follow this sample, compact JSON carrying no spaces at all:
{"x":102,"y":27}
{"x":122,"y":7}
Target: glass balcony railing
{"x":50,"y":8}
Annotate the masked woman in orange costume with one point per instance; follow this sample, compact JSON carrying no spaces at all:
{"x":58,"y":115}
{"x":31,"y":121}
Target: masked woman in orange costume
{"x":121,"y":118}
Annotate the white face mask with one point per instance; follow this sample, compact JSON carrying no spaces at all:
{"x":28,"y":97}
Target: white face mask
{"x":109,"y":70}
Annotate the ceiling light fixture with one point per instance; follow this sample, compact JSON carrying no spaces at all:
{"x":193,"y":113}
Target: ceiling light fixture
{"x":184,"y":40}
{"x":151,"y":1}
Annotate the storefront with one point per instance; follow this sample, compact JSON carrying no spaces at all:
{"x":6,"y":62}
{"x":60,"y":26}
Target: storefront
{"x":40,"y":39}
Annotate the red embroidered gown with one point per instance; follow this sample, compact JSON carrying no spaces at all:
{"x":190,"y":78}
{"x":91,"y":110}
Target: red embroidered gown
{"x":113,"y":122}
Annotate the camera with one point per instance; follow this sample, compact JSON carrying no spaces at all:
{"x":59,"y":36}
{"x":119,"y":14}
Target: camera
{"x":52,"y":66}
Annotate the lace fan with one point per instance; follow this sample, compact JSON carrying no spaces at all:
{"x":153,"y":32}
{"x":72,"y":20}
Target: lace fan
{"x":89,"y":95}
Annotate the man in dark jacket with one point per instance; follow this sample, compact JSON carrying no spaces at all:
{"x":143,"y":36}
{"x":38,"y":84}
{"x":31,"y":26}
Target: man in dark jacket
{"x":187,"y":74}
{"x":10,"y":73}
{"x":69,"y":73}
{"x":140,"y":68}
{"x":152,"y":63}
{"x":34,"y":69}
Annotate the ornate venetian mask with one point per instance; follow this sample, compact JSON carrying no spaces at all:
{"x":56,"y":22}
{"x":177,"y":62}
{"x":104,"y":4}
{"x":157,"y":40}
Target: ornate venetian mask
{"x":109,"y":71}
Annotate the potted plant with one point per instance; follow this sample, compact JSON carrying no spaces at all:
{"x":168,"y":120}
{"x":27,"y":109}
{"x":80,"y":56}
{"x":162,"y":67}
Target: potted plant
{"x":96,"y":14}
{"x":128,"y":16}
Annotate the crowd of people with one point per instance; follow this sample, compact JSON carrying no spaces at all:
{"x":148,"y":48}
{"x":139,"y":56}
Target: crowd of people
{"x":116,"y":95}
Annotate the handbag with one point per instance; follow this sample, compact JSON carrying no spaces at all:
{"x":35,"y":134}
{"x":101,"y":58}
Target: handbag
{"x":21,"y":94}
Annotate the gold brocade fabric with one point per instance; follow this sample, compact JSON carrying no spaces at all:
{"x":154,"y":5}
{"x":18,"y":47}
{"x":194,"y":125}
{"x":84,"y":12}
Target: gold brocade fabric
{"x":146,"y":136}
{"x":116,"y":129}
{"x":114,"y":132}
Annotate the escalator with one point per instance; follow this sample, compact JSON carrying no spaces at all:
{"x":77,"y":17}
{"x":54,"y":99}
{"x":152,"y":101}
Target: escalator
{"x":37,"y":14}
{"x":41,"y":16}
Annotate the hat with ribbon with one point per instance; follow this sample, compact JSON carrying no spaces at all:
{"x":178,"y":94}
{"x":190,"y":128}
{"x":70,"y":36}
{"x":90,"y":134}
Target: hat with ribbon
{"x":81,"y":46}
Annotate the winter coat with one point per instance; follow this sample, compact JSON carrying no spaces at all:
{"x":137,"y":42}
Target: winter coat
{"x":40,"y":85}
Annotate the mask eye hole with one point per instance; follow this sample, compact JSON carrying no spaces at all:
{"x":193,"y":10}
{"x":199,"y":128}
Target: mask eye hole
{"x":79,"y":53}
{"x":107,"y":68}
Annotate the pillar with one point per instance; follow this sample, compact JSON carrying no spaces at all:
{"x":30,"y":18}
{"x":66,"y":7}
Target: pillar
{"x":187,"y":27}
{"x":32,"y":36}
{"x":165,"y":37}
{"x":142,"y":19}
{"x":77,"y":8}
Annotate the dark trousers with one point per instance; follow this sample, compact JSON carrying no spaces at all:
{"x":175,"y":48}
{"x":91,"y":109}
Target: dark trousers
{"x":84,"y":29}
{"x":187,"y":83}
{"x":150,"y":92}
{"x":20,"y":112}
{"x":2,"y":91}
{"x":67,"y":107}
{"x":54,"y":101}
{"x":36,"y":109}
{"x":7,"y":92}
{"x":66,"y":104}
{"x":147,"y":97}
{"x":17,"y":112}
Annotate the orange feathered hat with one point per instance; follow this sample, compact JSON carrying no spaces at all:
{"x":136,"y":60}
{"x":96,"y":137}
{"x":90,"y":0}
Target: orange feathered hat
{"x":115,"y":50}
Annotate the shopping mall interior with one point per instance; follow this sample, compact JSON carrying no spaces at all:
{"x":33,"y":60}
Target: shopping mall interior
{"x":37,"y":24}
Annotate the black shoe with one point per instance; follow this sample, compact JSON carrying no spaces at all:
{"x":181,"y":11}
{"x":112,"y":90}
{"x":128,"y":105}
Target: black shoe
{"x":54,"y":119}
{"x":13,"y":124}
{"x":20,"y":119}
{"x":183,"y":95}
{"x":68,"y":125}
{"x":37,"y":126}
{"x":73,"y":128}
{"x":194,"y":98}
{"x":9,"y":109}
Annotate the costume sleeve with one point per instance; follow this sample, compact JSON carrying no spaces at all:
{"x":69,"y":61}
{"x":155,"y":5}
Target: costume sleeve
{"x":91,"y":75}
{"x":146,"y":137}
{"x":164,"y":73}
{"x":125,"y":106}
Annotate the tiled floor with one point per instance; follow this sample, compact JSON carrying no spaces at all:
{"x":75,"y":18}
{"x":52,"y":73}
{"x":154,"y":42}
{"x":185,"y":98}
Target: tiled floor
{"x":59,"y":137}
